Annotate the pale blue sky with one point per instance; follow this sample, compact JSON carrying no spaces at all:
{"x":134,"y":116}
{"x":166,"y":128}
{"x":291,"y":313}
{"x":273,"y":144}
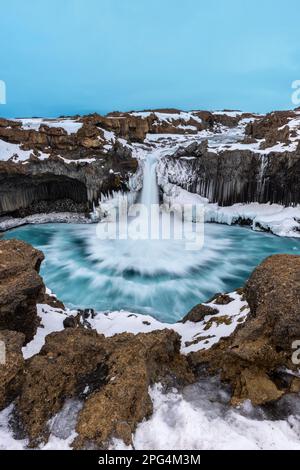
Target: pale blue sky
{"x":80,"y":56}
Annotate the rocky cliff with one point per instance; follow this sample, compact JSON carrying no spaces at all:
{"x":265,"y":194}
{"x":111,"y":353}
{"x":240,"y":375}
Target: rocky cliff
{"x":108,"y":377}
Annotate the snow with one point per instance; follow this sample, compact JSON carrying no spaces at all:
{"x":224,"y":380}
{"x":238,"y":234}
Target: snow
{"x":7,"y":440}
{"x":196,"y":418}
{"x":225,"y":139}
{"x":280,"y":147}
{"x":62,"y":433}
{"x":71,"y":126}
{"x":235,"y":312}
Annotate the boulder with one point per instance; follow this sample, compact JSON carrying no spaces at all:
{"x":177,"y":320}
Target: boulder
{"x":112,"y":375}
{"x":20,"y":286}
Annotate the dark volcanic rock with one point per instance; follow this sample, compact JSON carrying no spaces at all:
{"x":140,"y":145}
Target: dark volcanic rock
{"x":20,"y":287}
{"x":222,"y":299}
{"x":199,"y":312}
{"x":253,"y":357}
{"x":70,"y":322}
{"x":11,"y":366}
{"x":54,"y":185}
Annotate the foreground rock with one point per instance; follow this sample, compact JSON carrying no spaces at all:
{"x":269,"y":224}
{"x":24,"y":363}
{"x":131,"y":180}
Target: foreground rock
{"x":20,"y":287}
{"x":111,"y":375}
{"x":255,"y":358}
{"x":11,"y":366}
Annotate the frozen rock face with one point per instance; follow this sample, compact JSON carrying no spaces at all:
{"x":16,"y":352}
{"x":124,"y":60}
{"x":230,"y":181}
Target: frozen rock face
{"x":112,"y":375}
{"x":20,"y":288}
{"x":242,"y":158}
{"x":256,"y":357}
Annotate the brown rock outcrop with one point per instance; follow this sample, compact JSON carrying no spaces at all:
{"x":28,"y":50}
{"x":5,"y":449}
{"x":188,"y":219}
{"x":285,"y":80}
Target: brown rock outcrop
{"x":11,"y":366}
{"x":20,"y":286}
{"x":135,"y":362}
{"x":254,"y":356}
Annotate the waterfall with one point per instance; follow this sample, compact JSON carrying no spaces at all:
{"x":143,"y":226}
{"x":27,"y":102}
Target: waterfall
{"x":150,"y":186}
